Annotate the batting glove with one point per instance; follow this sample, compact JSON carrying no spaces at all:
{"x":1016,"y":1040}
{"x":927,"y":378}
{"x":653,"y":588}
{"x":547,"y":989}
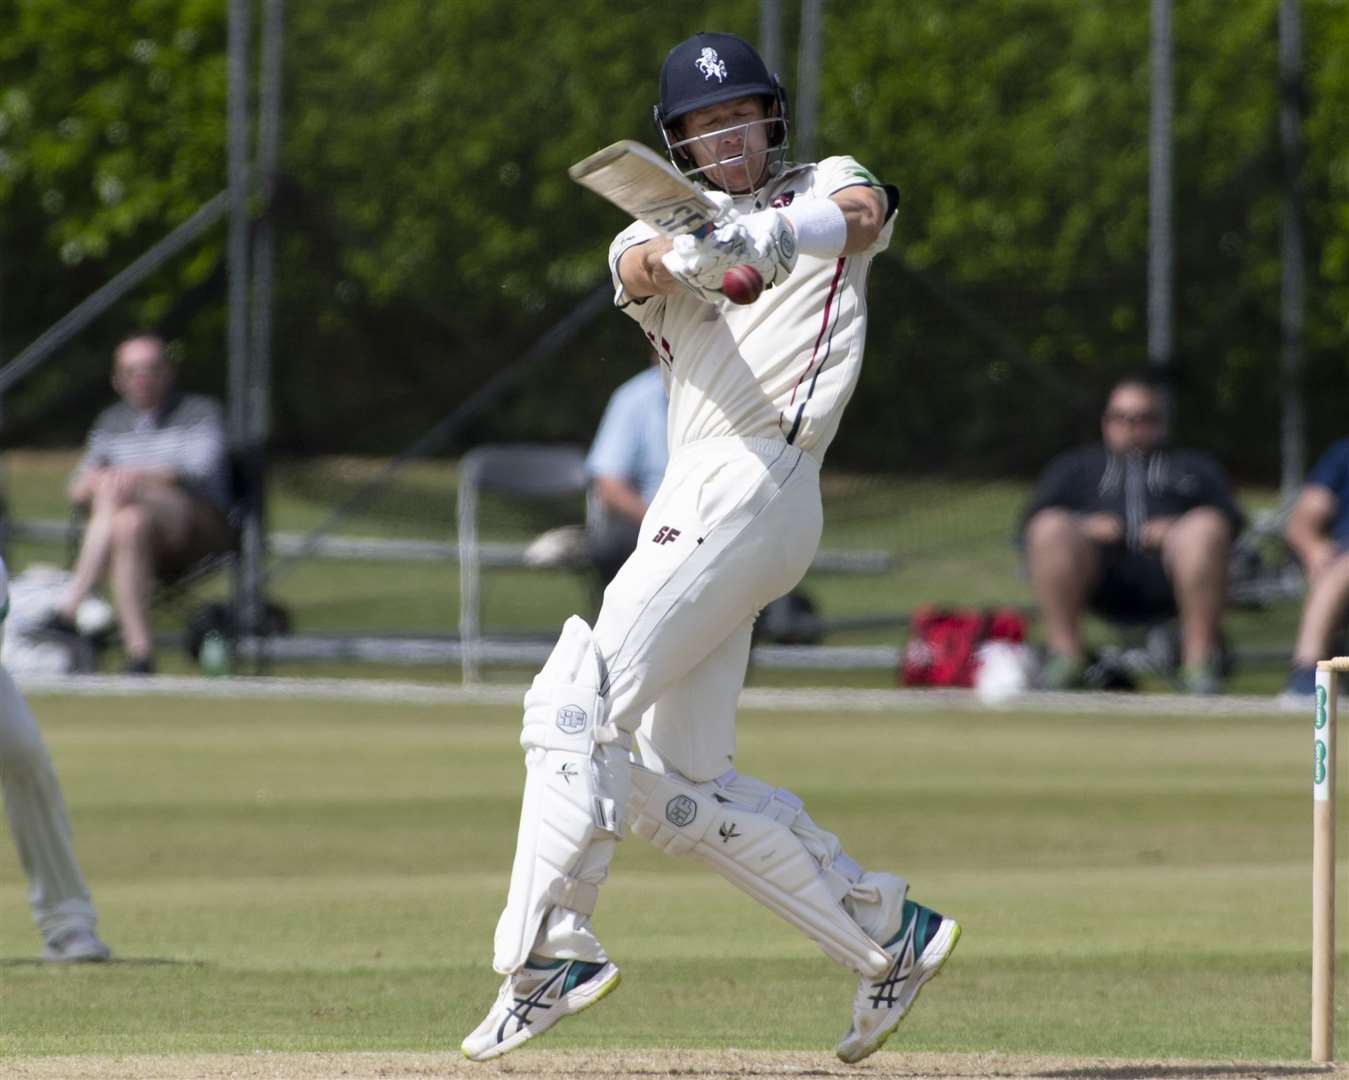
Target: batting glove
{"x":772,"y":242}
{"x":765,"y":241}
{"x":697,"y":271}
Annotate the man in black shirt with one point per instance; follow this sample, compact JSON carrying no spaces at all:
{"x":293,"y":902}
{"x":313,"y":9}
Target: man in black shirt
{"x":1134,"y":530}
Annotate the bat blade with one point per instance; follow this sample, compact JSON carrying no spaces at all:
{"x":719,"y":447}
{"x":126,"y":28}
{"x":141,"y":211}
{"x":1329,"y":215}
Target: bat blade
{"x":636,"y":179}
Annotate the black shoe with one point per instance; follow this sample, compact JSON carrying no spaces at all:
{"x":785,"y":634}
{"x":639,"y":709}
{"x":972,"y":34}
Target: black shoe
{"x":58,"y":622}
{"x":139,"y":665}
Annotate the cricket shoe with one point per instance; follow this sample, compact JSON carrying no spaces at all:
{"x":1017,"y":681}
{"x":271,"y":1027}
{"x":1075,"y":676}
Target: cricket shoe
{"x":534,"y":999}
{"x":924,"y":941}
{"x":78,"y":946}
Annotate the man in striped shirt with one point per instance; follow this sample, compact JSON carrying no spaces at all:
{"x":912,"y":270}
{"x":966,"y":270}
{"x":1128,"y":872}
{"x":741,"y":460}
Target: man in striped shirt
{"x":155,"y":480}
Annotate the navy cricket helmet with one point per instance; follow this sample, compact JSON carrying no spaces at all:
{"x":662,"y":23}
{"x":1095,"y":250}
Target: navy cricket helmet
{"x":710,"y":68}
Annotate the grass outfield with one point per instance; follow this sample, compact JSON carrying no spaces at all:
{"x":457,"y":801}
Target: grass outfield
{"x":324,"y":878}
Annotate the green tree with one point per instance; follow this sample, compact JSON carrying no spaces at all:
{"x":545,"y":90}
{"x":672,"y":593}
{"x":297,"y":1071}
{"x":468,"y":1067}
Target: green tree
{"x":428,"y":232}
{"x":111,"y":131}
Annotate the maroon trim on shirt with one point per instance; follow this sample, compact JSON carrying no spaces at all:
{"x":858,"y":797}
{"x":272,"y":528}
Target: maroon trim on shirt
{"x":826,"y":328}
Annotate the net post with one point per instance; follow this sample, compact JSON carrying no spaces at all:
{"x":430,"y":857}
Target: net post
{"x":1323,"y":857}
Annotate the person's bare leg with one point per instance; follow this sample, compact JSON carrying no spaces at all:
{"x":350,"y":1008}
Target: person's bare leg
{"x":133,"y":577}
{"x":164,"y":524}
{"x":1323,"y":613}
{"x":1064,"y":566}
{"x":1196,"y":552}
{"x":95,"y":552}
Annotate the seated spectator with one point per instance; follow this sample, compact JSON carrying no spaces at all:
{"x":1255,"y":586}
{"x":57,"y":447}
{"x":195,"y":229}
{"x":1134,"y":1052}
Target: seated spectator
{"x":1318,"y":532}
{"x":1133,"y":531}
{"x":626,"y":463}
{"x":155,"y":481}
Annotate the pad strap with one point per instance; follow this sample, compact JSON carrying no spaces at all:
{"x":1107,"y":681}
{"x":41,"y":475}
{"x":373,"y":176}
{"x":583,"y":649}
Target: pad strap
{"x":574,"y":895}
{"x":839,"y":870}
{"x":757,"y":854}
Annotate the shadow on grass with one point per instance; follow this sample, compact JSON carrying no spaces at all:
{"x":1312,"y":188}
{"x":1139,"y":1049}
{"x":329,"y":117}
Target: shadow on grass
{"x":116,"y":961}
{"x":1161,"y":1072}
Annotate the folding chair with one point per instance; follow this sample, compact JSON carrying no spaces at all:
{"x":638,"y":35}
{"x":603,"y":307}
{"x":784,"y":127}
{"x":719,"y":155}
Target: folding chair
{"x":519,"y":470}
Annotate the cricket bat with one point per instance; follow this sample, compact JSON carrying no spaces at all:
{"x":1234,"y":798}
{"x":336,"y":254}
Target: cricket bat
{"x":635,"y":178}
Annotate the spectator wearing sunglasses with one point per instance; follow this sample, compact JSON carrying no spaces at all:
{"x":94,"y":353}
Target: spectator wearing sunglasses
{"x":1135,"y":531}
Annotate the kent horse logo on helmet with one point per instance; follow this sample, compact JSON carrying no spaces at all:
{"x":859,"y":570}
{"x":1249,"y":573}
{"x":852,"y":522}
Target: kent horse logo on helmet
{"x":710,"y":64}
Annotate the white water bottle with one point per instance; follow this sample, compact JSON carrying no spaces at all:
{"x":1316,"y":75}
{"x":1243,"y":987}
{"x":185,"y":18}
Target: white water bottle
{"x":215,"y":654}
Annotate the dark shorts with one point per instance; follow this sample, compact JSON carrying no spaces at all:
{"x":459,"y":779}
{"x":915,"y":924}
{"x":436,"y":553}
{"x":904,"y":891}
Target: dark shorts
{"x":199,"y":529}
{"x":1133,"y":586}
{"x":609,"y":544}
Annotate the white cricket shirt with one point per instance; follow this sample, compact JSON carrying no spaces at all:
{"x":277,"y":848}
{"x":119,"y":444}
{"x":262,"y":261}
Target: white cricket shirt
{"x":781,"y":367}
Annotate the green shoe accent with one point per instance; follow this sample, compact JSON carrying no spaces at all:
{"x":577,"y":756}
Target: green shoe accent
{"x":928,"y":923}
{"x":581,"y":971}
{"x":1062,"y":672}
{"x":909,"y":911}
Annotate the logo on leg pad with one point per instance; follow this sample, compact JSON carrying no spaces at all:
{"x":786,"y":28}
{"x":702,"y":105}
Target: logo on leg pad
{"x":680,"y":811}
{"x":571,"y":719}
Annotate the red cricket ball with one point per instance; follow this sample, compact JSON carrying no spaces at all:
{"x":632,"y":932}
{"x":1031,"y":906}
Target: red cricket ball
{"x":741,"y":284}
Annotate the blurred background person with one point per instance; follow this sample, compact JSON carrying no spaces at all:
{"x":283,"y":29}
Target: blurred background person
{"x":1318,"y":532}
{"x":38,"y":823}
{"x":1134,"y":531}
{"x":155,"y":481}
{"x":626,"y":462}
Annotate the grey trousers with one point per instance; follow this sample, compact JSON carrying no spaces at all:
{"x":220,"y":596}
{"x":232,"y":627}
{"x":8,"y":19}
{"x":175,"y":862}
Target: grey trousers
{"x":37,"y":820}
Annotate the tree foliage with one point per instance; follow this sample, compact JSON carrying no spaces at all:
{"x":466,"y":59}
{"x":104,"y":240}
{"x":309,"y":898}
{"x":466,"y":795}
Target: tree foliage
{"x":428,"y":232}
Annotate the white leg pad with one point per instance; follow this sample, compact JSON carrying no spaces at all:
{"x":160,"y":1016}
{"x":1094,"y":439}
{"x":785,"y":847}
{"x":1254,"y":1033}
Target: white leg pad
{"x":759,"y":855}
{"x":841,"y":872}
{"x":576,"y":787}
{"x":874,"y":900}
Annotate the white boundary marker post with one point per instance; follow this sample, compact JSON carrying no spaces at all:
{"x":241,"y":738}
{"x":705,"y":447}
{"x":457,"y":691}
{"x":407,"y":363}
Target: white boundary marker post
{"x":1323,"y":857}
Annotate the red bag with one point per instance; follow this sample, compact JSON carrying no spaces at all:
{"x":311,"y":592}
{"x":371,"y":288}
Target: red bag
{"x":943,"y":644}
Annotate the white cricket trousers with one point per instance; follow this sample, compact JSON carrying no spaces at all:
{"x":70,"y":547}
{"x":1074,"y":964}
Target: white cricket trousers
{"x":734,"y":525}
{"x":37,"y":819}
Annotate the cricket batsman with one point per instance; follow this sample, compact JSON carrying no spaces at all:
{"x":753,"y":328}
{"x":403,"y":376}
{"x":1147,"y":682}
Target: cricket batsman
{"x":630,"y":725}
{"x":37,"y":820}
